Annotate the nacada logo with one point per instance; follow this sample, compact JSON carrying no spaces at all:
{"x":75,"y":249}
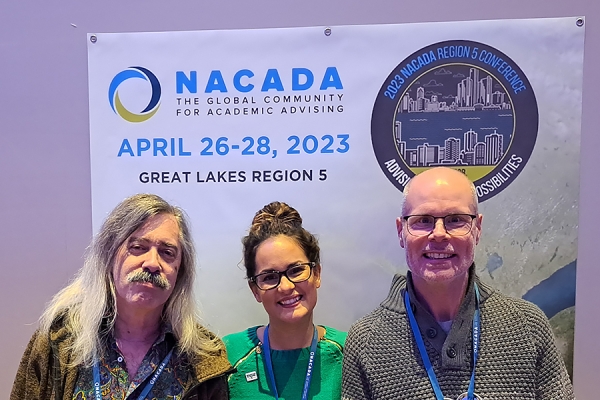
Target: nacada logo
{"x":115,"y":101}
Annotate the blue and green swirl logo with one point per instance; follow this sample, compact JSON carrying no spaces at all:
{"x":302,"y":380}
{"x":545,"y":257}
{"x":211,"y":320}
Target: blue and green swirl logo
{"x":117,"y":105}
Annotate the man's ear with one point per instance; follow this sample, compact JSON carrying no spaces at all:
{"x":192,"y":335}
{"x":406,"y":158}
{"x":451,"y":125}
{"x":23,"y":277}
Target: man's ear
{"x":255,"y":291}
{"x":478,"y":222}
{"x":399,"y":222}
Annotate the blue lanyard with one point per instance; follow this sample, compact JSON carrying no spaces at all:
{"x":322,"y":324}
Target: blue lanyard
{"x":147,"y":388}
{"x":421,"y":345}
{"x":309,"y":368}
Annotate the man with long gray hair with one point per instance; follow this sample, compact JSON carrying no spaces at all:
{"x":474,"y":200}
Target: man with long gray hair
{"x":127,"y":326}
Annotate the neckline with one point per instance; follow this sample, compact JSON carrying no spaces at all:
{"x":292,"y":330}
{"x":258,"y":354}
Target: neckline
{"x":253,"y":336}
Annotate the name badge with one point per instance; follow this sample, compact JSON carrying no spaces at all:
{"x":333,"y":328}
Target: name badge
{"x":251,"y":376}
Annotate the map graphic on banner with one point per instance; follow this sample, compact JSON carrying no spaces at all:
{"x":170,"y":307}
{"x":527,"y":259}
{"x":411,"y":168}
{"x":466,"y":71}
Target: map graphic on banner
{"x":335,"y":121}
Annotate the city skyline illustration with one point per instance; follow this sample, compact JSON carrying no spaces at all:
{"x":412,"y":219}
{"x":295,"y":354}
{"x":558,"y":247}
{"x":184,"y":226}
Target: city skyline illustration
{"x":461,"y":116}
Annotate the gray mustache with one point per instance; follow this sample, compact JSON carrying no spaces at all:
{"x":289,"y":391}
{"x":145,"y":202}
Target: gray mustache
{"x":145,"y":276}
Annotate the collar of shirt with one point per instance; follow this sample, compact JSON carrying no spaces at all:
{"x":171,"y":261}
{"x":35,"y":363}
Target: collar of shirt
{"x":122,"y":386}
{"x":452,"y":349}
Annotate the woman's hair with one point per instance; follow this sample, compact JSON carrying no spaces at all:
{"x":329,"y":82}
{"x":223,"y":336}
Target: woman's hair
{"x":88,"y":304}
{"x":276,"y":219}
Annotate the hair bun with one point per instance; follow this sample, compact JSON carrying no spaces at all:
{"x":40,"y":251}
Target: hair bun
{"x":273,"y":214}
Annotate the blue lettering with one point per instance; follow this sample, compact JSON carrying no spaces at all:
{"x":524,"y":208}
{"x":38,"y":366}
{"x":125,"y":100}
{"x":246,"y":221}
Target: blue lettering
{"x":442,"y":52}
{"x":331,"y":79}
{"x":142,"y":145}
{"x":482,"y":55}
{"x":215,"y":82}
{"x":297,"y":73}
{"x":237,"y":80}
{"x":159,"y":145}
{"x":498,"y":61}
{"x":451,"y":52}
{"x":272,"y":81}
{"x":125,"y":148}
{"x":181,"y":151}
{"x":190,"y":83}
{"x":502,"y":67}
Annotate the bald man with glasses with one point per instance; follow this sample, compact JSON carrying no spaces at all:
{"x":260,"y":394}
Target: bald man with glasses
{"x":442,"y":333}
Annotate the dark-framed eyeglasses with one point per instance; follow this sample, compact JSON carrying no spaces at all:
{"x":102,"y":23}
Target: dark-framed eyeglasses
{"x":455,"y":224}
{"x":271,"y":279}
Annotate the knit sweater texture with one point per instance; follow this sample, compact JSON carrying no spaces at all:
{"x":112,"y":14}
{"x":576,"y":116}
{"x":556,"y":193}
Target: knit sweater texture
{"x":518,"y":358}
{"x":244,"y":350}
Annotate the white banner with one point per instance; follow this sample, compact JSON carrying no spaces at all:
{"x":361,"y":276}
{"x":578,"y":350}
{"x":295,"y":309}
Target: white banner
{"x":335,"y":121}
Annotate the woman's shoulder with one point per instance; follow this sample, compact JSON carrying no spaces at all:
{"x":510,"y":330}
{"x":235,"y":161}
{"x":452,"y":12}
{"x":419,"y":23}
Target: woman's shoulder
{"x":334,"y":335}
{"x":240,"y":343}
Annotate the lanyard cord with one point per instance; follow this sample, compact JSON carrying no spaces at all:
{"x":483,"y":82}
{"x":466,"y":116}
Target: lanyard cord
{"x":309,"y":368}
{"x":421,"y":345}
{"x":147,"y":388}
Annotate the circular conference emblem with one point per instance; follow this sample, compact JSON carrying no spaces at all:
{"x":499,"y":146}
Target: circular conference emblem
{"x":459,"y":104}
{"x":115,"y":100}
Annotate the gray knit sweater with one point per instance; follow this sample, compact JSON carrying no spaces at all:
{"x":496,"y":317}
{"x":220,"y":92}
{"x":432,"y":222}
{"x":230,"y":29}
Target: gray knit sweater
{"x":518,"y":358}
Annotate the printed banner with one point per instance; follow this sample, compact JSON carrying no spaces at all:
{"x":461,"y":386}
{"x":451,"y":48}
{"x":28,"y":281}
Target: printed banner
{"x":335,"y":121}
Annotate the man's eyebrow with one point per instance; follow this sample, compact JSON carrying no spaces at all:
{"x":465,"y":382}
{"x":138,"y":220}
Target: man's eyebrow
{"x":132,"y":239}
{"x":169,"y":244}
{"x":146,"y":240}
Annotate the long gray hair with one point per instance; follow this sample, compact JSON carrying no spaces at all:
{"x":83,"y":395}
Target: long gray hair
{"x":88,"y":304}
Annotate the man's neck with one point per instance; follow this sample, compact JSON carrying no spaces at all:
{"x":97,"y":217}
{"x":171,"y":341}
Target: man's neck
{"x":443,"y":299}
{"x":283,"y":336}
{"x":137,"y":325}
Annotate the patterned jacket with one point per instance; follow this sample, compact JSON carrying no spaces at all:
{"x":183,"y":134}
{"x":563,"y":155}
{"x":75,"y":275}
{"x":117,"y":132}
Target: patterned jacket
{"x":45,"y":374}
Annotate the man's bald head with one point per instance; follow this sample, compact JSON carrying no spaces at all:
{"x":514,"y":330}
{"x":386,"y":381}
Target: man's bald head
{"x":439,"y":256}
{"x":440,"y":177}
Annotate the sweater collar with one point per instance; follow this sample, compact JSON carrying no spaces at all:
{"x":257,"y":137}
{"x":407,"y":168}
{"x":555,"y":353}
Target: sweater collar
{"x":453,"y":347}
{"x":400,"y":283}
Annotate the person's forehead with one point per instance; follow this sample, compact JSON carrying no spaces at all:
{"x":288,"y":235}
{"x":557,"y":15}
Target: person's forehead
{"x":278,"y":253}
{"x":161,"y":227}
{"x":439,"y":195}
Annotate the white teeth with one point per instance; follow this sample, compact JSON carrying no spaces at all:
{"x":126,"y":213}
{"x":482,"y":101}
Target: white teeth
{"x":290,"y":301}
{"x":438,"y":255}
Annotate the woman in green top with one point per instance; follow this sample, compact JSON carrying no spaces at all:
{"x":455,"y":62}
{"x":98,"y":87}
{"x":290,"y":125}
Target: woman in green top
{"x":290,"y":358}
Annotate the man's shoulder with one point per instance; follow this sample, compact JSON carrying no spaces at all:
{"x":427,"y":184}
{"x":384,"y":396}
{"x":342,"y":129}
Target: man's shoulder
{"x":58,"y":332}
{"x":501,"y":306}
{"x":389,"y":309}
{"x":369,"y":324}
{"x":527,"y":308}
{"x":213,"y":362}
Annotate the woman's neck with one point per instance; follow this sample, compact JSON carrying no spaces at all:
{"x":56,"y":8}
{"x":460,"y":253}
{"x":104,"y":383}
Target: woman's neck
{"x":284,"y":336}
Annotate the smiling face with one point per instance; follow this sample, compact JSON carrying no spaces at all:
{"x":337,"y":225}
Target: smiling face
{"x":146,"y":266}
{"x":439,"y":257}
{"x":289,"y":302}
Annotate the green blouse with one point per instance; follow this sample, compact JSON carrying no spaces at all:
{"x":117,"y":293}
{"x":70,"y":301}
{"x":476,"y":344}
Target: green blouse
{"x":244,"y":351}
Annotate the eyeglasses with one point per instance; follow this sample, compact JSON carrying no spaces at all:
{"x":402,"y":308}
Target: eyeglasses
{"x":296,"y":273}
{"x":455,"y":224}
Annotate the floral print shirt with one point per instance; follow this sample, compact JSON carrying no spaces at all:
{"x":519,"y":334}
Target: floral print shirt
{"x":116,"y":384}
